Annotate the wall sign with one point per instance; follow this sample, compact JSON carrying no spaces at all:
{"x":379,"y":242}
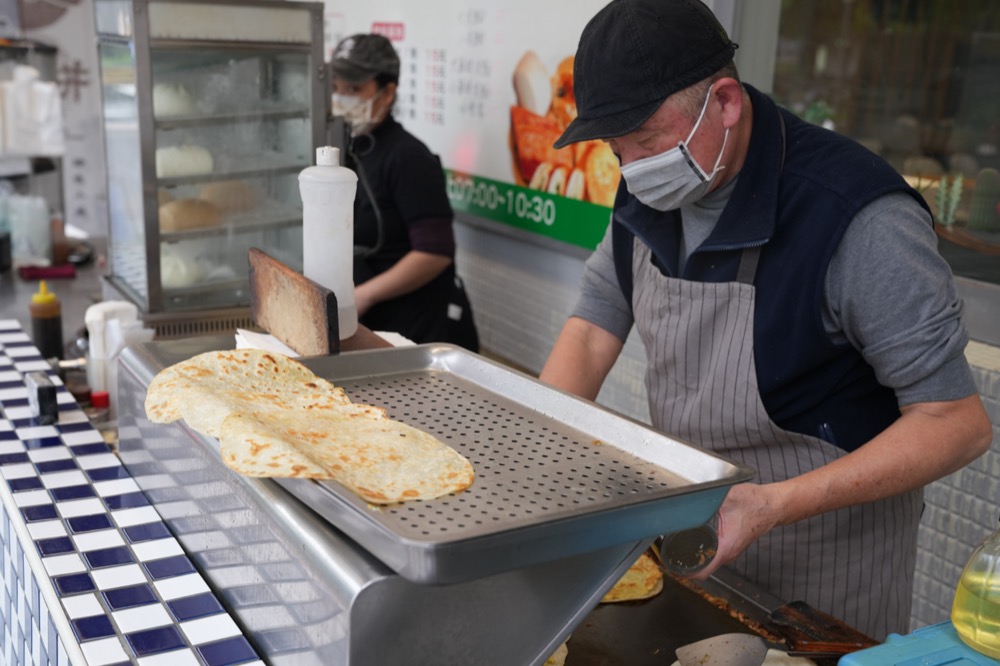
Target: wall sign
{"x":488,"y":86}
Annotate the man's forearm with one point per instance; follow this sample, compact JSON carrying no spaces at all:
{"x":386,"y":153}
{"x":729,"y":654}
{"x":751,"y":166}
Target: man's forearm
{"x":928,"y":441}
{"x":581,"y":358}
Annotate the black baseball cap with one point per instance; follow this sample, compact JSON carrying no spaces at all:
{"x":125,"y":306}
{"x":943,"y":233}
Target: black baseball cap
{"x":360,"y":58}
{"x":633,"y":55}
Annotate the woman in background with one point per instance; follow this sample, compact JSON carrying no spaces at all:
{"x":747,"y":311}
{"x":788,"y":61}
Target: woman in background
{"x":404,"y":265}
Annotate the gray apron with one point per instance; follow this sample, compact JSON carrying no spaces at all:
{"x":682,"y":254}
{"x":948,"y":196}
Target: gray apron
{"x":856,"y":563}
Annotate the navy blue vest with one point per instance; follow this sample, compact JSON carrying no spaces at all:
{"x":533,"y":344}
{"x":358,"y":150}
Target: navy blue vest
{"x":800,"y":187}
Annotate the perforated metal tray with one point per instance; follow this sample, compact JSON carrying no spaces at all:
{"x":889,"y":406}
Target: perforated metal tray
{"x":555,"y":475}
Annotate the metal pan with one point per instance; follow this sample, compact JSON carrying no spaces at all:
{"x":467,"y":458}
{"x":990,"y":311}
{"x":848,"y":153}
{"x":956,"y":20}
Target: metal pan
{"x":555,"y":475}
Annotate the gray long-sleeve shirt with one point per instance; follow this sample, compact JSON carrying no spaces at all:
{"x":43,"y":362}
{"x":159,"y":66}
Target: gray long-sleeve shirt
{"x":889,"y":293}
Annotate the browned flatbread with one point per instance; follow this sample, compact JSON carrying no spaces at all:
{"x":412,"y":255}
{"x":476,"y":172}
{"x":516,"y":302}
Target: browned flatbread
{"x":558,"y":658}
{"x":275,"y":418}
{"x":778,"y":658}
{"x":381,"y":460}
{"x":642,"y":581}
{"x":207,"y":388}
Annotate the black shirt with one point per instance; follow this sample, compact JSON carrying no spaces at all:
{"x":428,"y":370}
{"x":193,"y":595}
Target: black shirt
{"x":408,"y":186}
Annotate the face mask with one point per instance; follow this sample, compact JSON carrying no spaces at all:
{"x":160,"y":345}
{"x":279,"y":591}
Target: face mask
{"x":672,"y":178}
{"x":357,"y":112}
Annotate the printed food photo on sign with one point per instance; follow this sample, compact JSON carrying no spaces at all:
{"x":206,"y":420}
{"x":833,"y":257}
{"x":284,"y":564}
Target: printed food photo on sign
{"x":545,"y":106}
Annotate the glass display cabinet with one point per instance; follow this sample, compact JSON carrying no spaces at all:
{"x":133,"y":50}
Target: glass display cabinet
{"x":210,"y":110}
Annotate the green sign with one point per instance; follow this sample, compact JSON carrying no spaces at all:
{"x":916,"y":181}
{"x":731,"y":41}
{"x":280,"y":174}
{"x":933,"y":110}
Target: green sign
{"x":568,"y":220}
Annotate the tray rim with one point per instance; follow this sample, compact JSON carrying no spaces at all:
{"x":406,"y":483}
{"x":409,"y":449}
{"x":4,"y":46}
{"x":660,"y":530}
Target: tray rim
{"x":413,"y":566}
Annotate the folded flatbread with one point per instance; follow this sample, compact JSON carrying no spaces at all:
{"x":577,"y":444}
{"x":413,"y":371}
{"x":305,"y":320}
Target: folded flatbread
{"x":275,"y":418}
{"x":558,"y":658}
{"x":643,"y":580}
{"x":778,"y":658}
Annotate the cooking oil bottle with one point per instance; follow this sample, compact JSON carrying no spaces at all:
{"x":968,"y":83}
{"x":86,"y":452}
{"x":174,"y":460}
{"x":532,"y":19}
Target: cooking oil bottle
{"x":976,"y":611}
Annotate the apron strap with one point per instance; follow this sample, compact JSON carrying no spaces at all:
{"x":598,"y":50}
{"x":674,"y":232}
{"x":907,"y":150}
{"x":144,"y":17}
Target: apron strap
{"x":750,"y":257}
{"x":748,"y":265}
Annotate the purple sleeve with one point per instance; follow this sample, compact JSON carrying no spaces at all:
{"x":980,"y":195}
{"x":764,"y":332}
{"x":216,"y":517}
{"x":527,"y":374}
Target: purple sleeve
{"x":433,"y":235}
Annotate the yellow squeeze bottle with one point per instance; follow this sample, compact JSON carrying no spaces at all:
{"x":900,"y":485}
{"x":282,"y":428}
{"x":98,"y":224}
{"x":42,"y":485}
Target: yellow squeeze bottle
{"x":46,"y":322}
{"x":976,"y":611}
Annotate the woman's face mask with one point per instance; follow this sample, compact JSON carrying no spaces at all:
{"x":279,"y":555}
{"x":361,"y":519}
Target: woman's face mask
{"x":672,"y":178}
{"x":357,"y":112}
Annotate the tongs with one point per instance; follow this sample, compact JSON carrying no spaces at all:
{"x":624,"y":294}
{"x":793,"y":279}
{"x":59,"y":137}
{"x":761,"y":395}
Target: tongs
{"x":685,"y":553}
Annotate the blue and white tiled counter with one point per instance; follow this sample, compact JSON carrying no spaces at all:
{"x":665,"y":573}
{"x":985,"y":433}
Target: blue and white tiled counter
{"x":91,"y":574}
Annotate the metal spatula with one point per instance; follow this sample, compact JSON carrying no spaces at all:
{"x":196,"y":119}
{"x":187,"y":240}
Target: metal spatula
{"x":724,"y":650}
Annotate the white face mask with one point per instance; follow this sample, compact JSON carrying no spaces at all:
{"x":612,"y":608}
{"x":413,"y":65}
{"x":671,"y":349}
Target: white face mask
{"x":357,"y":112}
{"x":672,"y":178}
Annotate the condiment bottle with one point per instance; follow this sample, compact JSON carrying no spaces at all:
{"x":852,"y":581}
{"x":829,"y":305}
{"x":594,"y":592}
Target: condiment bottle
{"x":976,"y":611}
{"x":46,"y":322}
{"x":100,"y":408}
{"x":328,"y":191}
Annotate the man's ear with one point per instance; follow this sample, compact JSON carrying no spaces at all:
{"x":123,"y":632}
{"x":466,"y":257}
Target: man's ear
{"x":728,"y":93}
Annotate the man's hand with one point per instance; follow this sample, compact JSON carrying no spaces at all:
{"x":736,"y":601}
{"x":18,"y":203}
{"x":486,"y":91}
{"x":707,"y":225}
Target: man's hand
{"x":928,"y":441}
{"x":747,"y":513}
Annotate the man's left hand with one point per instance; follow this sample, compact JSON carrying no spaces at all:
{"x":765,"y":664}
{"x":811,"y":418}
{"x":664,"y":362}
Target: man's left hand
{"x":748,"y":512}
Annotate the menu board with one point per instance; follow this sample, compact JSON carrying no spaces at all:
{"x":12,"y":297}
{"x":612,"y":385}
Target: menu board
{"x":488,"y":86}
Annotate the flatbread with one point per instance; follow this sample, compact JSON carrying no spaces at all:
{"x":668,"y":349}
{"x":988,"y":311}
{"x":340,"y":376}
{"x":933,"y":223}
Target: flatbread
{"x":643,"y":580}
{"x":778,"y":658}
{"x":381,"y":460}
{"x":558,"y":658}
{"x":207,"y":388}
{"x":275,"y":418}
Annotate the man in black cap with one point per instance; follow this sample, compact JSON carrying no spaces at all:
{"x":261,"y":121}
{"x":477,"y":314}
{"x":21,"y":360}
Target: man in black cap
{"x":404,"y":276}
{"x":795,"y":314}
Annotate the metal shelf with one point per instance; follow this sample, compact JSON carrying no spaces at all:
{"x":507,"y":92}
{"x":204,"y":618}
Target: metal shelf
{"x":259,"y":109}
{"x":199,"y":120}
{"x":208,"y":287}
{"x":269,"y":216}
{"x":263,"y":167}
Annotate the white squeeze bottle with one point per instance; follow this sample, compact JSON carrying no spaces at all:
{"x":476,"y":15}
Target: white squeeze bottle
{"x":328,"y":191}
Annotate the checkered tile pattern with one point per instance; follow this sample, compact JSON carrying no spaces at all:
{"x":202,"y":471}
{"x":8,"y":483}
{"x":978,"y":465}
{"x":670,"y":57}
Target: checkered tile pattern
{"x":286,"y":606}
{"x":91,"y":573}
